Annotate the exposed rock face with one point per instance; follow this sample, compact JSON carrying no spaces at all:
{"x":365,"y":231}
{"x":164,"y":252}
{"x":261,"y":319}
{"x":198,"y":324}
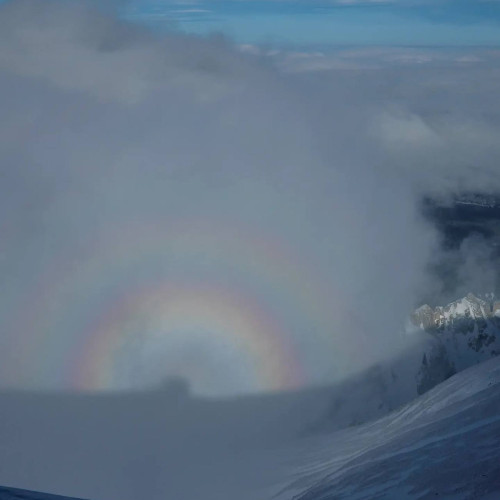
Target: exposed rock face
{"x":423,"y":317}
{"x":466,"y":332}
{"x":470,"y":324}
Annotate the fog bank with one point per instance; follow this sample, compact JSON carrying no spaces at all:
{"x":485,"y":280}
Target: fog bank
{"x":177,"y":207}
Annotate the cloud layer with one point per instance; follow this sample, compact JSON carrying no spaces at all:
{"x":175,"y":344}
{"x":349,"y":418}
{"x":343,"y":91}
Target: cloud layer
{"x":176,"y":207}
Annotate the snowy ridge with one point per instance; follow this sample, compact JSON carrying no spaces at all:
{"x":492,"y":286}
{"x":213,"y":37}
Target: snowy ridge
{"x":469,"y":328}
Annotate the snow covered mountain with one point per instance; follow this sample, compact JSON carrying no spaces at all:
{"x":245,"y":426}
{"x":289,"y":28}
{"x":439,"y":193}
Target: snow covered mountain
{"x":464,"y":332}
{"x":438,"y":343}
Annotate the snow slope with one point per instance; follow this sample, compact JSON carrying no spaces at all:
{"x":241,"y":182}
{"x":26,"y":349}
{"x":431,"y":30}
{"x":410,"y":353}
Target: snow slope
{"x":444,"y":444}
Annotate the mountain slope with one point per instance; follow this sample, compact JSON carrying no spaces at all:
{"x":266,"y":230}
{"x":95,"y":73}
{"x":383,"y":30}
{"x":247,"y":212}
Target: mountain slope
{"x":439,"y":343}
{"x":445,"y":444}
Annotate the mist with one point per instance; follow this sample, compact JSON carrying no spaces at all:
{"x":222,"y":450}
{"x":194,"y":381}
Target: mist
{"x":162,"y":192}
{"x":199,"y":238}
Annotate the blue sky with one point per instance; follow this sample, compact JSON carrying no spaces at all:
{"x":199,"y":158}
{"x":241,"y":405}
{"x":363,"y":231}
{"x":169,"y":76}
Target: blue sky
{"x":345,"y":22}
{"x":303,"y":23}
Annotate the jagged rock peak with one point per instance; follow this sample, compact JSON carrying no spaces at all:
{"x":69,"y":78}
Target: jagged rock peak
{"x":469,"y":307}
{"x":465,"y":332}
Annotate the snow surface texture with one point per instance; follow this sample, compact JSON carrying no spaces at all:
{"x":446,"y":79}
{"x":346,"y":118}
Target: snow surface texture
{"x":445,"y":444}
